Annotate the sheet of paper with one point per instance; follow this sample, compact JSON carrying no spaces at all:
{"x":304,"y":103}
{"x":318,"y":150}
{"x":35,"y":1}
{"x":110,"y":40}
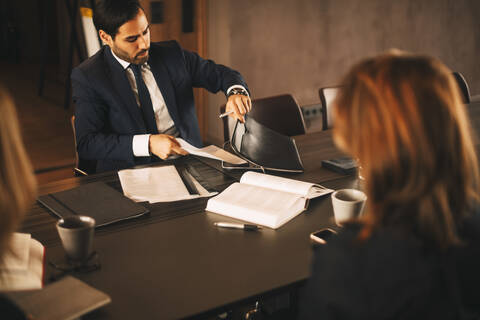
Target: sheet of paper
{"x":212,"y":152}
{"x":157,"y":184}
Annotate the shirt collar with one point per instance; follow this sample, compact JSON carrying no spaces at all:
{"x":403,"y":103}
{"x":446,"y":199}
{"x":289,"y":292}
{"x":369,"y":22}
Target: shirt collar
{"x":122,"y":62}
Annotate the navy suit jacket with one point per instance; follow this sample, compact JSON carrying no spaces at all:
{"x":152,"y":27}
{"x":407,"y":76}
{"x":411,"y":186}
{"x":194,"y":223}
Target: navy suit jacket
{"x":107,"y":115}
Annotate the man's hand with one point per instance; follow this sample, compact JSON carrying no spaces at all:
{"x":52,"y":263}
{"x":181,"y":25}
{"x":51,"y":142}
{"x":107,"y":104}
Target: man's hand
{"x":163,"y":145}
{"x":240,"y":105}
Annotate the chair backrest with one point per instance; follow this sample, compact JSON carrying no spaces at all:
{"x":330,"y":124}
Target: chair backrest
{"x":462,"y":84}
{"x":327,"y":95}
{"x":82,"y":167}
{"x":280,"y":113}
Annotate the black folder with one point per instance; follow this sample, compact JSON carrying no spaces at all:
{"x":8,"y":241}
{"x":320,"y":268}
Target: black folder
{"x":97,"y":200}
{"x":265,"y":147}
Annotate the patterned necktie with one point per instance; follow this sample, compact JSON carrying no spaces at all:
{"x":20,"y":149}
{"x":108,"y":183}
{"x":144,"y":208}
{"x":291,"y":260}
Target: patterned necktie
{"x":145,"y":101}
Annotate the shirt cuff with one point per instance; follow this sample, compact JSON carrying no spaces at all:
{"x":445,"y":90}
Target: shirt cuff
{"x":140,"y":145}
{"x":239,"y":87}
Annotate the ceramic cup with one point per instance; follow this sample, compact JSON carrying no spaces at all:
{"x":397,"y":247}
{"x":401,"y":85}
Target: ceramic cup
{"x":347,"y":204}
{"x":76,"y":233}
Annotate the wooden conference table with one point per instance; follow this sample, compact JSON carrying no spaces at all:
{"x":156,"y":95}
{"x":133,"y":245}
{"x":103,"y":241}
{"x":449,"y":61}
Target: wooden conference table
{"x":174,"y":263}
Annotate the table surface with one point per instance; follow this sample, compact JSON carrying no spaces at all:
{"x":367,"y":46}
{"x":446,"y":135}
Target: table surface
{"x":166,"y":268}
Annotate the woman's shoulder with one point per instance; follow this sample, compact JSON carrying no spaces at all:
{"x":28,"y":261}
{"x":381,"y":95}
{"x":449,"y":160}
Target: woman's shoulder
{"x":388,"y":258}
{"x":350,"y":241}
{"x":388,"y":270}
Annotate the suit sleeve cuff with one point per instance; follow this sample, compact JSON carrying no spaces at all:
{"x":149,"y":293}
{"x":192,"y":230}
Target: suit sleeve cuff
{"x":140,"y":145}
{"x":239,"y":87}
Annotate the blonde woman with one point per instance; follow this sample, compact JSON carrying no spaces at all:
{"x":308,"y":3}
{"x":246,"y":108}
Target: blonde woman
{"x":17,"y":185}
{"x":416,"y":252}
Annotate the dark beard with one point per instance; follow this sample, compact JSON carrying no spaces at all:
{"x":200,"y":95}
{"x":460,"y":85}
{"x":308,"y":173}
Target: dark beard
{"x":140,"y":60}
{"x":134,"y":60}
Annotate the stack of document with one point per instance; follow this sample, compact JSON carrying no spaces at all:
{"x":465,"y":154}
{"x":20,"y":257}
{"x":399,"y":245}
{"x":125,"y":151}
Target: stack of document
{"x":159,"y":184}
{"x":22,"y":266}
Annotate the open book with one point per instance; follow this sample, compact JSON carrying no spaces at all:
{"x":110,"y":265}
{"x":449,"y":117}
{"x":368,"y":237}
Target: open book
{"x":22,"y":267}
{"x":265,"y":199}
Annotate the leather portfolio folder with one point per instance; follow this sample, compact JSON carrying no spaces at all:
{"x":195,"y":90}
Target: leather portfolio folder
{"x":97,"y":200}
{"x":68,"y":298}
{"x":265,"y":147}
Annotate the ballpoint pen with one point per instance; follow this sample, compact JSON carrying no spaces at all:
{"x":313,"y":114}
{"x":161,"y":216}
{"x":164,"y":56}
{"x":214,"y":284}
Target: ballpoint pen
{"x":247,"y":227}
{"x":225,"y":114}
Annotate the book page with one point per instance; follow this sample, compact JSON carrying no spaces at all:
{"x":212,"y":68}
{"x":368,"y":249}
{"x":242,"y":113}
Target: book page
{"x":304,"y":189}
{"x":257,"y":205}
{"x":212,"y":152}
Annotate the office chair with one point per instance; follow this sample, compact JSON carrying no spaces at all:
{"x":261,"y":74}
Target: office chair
{"x":463,"y":86}
{"x":327,"y":95}
{"x":280,"y":113}
{"x":82,"y":167}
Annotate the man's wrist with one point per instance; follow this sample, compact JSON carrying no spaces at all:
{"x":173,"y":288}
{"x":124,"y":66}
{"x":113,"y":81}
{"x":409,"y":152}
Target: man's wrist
{"x":237,"y":89}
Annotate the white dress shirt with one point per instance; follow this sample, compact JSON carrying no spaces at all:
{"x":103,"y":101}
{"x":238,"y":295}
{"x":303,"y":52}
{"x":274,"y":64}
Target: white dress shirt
{"x":165,"y":124}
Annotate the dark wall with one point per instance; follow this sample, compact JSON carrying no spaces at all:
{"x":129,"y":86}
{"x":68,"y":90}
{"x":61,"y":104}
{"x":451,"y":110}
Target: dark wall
{"x":22,"y":21}
{"x":298,"y":46}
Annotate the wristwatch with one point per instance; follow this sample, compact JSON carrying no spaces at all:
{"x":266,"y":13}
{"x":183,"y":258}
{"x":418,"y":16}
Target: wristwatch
{"x":237,"y":91}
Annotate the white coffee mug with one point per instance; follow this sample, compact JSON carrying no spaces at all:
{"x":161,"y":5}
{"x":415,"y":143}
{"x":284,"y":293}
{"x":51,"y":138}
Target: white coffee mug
{"x":347,"y":204}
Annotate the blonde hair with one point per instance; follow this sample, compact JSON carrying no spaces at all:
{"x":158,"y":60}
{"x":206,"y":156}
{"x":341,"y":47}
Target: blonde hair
{"x":17,"y":182}
{"x":402,"y":116}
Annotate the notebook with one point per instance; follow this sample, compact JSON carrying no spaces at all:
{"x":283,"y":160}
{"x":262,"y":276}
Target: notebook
{"x":97,"y":200}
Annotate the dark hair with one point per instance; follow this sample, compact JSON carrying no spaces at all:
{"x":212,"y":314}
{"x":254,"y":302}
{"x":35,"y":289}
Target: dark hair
{"x":110,"y":15}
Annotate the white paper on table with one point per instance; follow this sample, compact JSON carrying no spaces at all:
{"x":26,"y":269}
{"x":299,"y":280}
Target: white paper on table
{"x":157,"y":184}
{"x":212,"y":152}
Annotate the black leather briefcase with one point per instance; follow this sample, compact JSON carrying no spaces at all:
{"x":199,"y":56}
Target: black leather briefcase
{"x":264,"y":147}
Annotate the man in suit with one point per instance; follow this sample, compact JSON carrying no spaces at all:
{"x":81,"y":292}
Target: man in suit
{"x":133,"y":97}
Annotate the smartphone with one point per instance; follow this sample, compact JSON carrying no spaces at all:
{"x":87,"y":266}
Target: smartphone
{"x":343,"y":165}
{"x":321,"y":236}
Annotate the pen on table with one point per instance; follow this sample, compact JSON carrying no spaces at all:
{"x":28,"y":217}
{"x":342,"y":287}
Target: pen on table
{"x":247,"y":227}
{"x":225,"y":114}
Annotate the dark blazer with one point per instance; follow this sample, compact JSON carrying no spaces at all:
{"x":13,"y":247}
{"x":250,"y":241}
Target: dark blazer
{"x":9,"y":310}
{"x":107,"y":115}
{"x":393,"y":275}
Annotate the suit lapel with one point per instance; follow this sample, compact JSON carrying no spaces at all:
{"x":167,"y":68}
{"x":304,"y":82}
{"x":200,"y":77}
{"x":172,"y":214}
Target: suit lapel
{"x":121,"y":85}
{"x":164,"y":82}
